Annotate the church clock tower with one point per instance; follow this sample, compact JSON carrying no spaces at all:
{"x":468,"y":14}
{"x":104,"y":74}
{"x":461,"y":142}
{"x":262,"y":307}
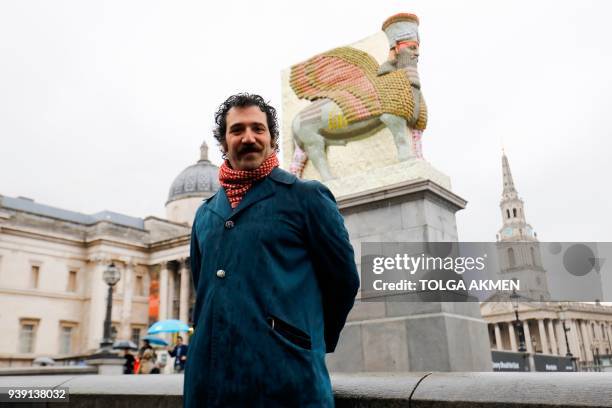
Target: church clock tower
{"x":517,"y":243}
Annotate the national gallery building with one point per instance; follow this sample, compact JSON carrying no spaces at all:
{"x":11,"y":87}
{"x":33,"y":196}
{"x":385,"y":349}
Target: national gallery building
{"x":53,"y":296}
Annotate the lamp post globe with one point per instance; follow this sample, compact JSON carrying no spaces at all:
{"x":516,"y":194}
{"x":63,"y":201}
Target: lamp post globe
{"x":111,"y":276}
{"x":514,"y":298}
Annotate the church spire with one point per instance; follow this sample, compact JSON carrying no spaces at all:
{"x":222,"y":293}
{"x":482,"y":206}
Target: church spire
{"x":507,"y":174}
{"x":517,"y":243}
{"x":515,"y":227}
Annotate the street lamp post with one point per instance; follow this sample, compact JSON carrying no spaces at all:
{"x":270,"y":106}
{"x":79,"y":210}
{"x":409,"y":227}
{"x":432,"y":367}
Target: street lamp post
{"x":514,"y":297}
{"x":596,"y":362}
{"x":562,"y":317}
{"x":111,"y":277}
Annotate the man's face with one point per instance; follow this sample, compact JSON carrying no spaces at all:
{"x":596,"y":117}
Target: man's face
{"x":409,"y":48}
{"x":179,"y":340}
{"x":247,"y":138}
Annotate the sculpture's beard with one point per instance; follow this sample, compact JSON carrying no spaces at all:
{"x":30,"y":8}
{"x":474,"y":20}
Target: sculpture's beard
{"x":408,"y":63}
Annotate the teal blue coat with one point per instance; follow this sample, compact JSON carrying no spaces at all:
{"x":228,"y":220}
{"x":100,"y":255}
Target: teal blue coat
{"x":275,"y":279}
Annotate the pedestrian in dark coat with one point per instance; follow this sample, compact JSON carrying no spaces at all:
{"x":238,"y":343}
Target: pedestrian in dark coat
{"x":179,"y":352}
{"x":274,"y":272}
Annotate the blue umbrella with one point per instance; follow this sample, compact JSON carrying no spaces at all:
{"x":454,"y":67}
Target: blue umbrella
{"x":168,"y":326}
{"x":155,"y":340}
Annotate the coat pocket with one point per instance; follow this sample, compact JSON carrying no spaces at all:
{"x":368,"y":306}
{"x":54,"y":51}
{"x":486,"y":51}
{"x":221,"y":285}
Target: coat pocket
{"x":289,"y":332}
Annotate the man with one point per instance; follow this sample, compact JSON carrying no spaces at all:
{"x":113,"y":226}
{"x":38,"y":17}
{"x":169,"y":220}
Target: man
{"x":179,"y":352}
{"x":274,"y":272}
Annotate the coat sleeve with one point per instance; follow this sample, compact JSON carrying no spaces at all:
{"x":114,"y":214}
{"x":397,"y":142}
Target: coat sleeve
{"x":333,"y":259}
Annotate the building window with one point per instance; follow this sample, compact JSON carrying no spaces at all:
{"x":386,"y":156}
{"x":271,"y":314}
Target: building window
{"x":136,"y":335}
{"x":34,"y":275}
{"x":603,"y":331}
{"x":113,"y":332}
{"x":139,"y":286}
{"x":66,"y":341}
{"x":72,"y":281}
{"x":514,"y":212}
{"x":511,"y":258}
{"x":593,"y":329}
{"x":508,"y":213}
{"x":27,"y":336}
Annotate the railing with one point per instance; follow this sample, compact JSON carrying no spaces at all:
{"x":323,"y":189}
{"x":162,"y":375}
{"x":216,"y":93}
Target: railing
{"x":414,"y":390}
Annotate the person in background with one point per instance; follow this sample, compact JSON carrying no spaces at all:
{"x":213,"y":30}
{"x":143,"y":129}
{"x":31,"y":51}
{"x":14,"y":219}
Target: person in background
{"x":179,"y":352}
{"x":128,"y":366}
{"x":147,"y":363}
{"x":145,"y":346}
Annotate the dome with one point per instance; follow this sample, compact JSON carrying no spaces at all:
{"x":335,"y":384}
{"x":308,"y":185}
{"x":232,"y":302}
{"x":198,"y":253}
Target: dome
{"x":198,"y":180}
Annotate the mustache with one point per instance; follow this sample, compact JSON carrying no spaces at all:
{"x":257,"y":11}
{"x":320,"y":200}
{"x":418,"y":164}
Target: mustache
{"x":252,"y":148}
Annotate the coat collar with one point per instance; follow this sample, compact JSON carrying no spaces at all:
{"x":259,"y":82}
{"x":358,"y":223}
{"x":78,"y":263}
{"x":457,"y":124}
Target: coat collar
{"x":220,"y":205}
{"x":282,"y":176}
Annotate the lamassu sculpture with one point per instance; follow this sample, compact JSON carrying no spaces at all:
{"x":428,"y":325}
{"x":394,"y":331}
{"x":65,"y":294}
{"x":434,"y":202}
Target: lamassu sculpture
{"x":354,"y":97}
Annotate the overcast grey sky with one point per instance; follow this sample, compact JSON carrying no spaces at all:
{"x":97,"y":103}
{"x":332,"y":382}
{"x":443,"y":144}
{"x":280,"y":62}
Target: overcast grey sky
{"x":103,"y":103}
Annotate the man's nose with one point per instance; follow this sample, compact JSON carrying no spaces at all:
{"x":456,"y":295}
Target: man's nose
{"x":248,"y":136}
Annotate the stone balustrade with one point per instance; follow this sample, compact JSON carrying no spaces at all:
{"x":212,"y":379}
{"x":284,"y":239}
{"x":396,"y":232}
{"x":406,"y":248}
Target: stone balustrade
{"x":414,"y":390}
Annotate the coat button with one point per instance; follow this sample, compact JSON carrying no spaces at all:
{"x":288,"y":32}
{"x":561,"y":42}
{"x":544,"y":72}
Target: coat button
{"x":221,"y":273}
{"x":229,"y":224}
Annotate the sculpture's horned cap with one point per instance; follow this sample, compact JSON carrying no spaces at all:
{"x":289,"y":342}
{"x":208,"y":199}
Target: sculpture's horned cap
{"x":401,"y":27}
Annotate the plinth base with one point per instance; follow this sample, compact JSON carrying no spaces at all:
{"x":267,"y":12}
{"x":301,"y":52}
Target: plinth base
{"x":408,"y":336}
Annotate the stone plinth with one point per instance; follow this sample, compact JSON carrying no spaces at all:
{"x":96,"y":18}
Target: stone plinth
{"x":108,"y":364}
{"x":388,"y":176}
{"x":408,"y":336}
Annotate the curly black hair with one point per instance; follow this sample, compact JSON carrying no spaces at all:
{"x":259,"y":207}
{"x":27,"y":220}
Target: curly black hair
{"x":244,"y":100}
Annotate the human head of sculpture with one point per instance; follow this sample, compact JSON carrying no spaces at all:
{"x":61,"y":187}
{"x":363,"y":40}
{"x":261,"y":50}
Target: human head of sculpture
{"x":402,"y":31}
{"x":246,"y":130}
{"x":401,"y":27}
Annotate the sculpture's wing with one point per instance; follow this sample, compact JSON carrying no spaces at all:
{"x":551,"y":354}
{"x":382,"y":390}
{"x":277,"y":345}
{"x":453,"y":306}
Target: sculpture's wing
{"x":344,"y":75}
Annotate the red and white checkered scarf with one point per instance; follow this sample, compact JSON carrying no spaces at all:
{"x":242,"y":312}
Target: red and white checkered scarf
{"x":237,"y":182}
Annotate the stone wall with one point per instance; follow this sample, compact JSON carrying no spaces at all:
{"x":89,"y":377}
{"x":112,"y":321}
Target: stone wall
{"x":416,"y":390}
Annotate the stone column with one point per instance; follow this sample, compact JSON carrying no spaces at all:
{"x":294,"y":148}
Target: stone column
{"x":498,"y":339}
{"x":543,"y":339}
{"x":586,"y":339}
{"x":528,"y":343}
{"x":126,"y":306}
{"x":171,"y":290}
{"x":163,"y":291}
{"x":574,"y":340}
{"x":553,"y":341}
{"x":184,"y":298}
{"x":513,"y":346}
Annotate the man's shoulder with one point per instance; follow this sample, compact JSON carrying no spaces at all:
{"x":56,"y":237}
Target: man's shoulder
{"x":283,"y":177}
{"x":208,"y":201}
{"x":297,"y":185}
